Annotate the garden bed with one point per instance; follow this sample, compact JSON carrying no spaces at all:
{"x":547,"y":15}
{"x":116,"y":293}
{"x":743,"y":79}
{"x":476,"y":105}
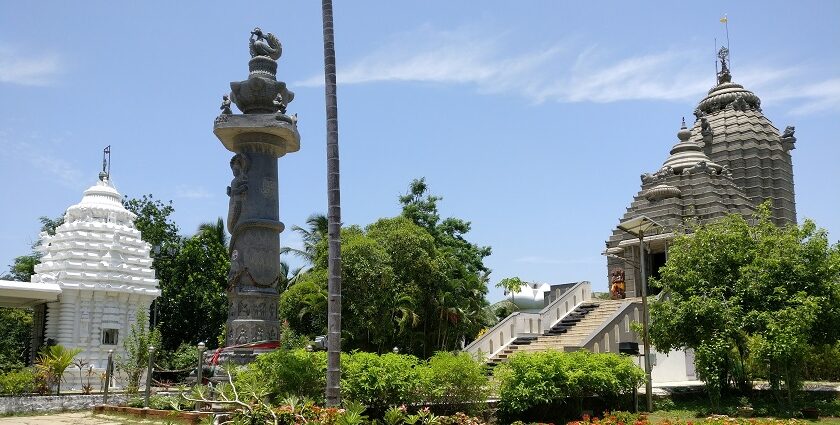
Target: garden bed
{"x":144,"y":412}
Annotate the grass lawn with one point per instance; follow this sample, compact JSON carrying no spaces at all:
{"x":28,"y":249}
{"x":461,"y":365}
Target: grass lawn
{"x":691,"y":407}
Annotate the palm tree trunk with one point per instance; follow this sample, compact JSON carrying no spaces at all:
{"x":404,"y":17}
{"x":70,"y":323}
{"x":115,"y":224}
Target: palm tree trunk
{"x":333,"y":395}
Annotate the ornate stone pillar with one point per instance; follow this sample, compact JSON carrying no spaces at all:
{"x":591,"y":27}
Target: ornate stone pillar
{"x":258,"y":137}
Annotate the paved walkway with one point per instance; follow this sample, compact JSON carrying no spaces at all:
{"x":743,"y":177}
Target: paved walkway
{"x":75,"y":418}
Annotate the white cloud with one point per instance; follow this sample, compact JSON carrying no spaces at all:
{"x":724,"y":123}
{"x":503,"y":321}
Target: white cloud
{"x":567,"y":72}
{"x":28,"y":69}
{"x":192,"y":192}
{"x":42,"y":155}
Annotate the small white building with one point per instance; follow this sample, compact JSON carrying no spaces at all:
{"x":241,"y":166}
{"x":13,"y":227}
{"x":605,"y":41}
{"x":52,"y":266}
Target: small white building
{"x":94,"y":277}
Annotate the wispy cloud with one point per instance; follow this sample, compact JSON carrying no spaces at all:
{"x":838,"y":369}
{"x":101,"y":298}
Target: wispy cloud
{"x":567,"y":71}
{"x":192,"y":192}
{"x":27,"y":69}
{"x":37,"y":151}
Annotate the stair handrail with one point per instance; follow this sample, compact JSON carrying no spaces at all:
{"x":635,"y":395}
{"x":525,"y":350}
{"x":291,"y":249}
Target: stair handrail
{"x":481,"y":344}
{"x":604,"y":329}
{"x":545,"y":314}
{"x":578,"y":292}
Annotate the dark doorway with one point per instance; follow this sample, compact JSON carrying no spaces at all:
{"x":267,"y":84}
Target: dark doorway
{"x":657,"y":260}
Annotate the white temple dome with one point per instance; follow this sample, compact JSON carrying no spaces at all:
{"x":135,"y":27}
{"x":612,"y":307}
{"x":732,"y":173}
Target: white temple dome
{"x":100,"y":201}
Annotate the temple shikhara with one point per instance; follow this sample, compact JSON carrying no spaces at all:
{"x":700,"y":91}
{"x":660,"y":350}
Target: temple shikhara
{"x":731,"y":160}
{"x":93,"y":278}
{"x":728,"y":161}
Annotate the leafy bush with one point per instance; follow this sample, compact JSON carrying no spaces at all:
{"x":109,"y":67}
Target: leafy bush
{"x":288,"y":372}
{"x":454,"y":382}
{"x":136,"y":345}
{"x":17,"y":382}
{"x":53,"y":361}
{"x":531,"y":380}
{"x":822,"y":363}
{"x":184,"y":357}
{"x":380,"y":381}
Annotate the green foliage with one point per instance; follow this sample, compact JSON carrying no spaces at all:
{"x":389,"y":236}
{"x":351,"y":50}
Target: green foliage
{"x":136,"y":359}
{"x":455,"y":382}
{"x":53,"y":361}
{"x":198,"y":281}
{"x":531,"y":380}
{"x":17,"y":323}
{"x":752,"y":289}
{"x":184,"y":357}
{"x":154,"y":221}
{"x":17,"y":382}
{"x":510,"y":284}
{"x":380,"y":381}
{"x":822,"y":363}
{"x":14,"y":340}
{"x":289,"y":372}
{"x":304,"y":304}
{"x":415,"y":276}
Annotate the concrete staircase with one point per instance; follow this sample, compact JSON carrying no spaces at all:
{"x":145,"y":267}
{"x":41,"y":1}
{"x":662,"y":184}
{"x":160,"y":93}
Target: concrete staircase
{"x":571,"y":331}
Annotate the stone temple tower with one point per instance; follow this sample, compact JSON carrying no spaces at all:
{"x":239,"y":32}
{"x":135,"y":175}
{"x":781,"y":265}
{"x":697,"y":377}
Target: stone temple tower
{"x":734,"y":132}
{"x":257,"y":137}
{"x":728,"y":162}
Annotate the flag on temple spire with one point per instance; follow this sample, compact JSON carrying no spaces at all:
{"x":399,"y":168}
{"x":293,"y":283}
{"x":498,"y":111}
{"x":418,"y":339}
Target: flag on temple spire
{"x":724,"y":19}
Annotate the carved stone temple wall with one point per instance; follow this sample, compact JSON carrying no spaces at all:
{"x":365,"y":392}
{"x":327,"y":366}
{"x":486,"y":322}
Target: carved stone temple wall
{"x":729,"y":161}
{"x":258,"y":136}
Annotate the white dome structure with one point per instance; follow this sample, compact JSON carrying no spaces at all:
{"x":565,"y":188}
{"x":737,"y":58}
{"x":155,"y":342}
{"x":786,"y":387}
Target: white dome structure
{"x":104,"y":271}
{"x":531,"y":296}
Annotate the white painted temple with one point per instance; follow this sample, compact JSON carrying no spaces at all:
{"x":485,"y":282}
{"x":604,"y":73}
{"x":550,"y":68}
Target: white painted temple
{"x":94,"y":277}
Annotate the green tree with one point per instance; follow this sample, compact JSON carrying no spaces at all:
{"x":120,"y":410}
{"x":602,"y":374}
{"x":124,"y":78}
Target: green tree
{"x":154,"y":221}
{"x":742,"y":291}
{"x":14,"y":340}
{"x":421,"y":208}
{"x":315,"y":232}
{"x":511,"y":285}
{"x":17,"y":323}
{"x":304,"y":304}
{"x":396,"y":274}
{"x":193,"y":303}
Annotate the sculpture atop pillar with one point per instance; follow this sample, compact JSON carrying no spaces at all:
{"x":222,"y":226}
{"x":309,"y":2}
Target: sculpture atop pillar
{"x":257,"y":137}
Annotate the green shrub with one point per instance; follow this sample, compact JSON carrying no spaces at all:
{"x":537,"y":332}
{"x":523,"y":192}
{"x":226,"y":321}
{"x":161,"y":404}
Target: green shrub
{"x":289,"y":372}
{"x":380,"y":381}
{"x":17,"y":382}
{"x":822,"y":363}
{"x":184,"y":357}
{"x":454,"y":382}
{"x":531,"y":380}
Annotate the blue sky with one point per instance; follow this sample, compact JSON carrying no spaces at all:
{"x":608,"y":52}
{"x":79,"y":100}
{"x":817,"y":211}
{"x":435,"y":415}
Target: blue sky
{"x":532,"y":120}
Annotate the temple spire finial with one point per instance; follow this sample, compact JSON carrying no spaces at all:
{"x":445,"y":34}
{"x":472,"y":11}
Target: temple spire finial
{"x":105,"y":174}
{"x":724,"y":75}
{"x":683,"y":123}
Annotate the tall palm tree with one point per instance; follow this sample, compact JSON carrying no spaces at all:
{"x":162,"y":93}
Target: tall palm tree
{"x":317,"y":230}
{"x":333,"y":395}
